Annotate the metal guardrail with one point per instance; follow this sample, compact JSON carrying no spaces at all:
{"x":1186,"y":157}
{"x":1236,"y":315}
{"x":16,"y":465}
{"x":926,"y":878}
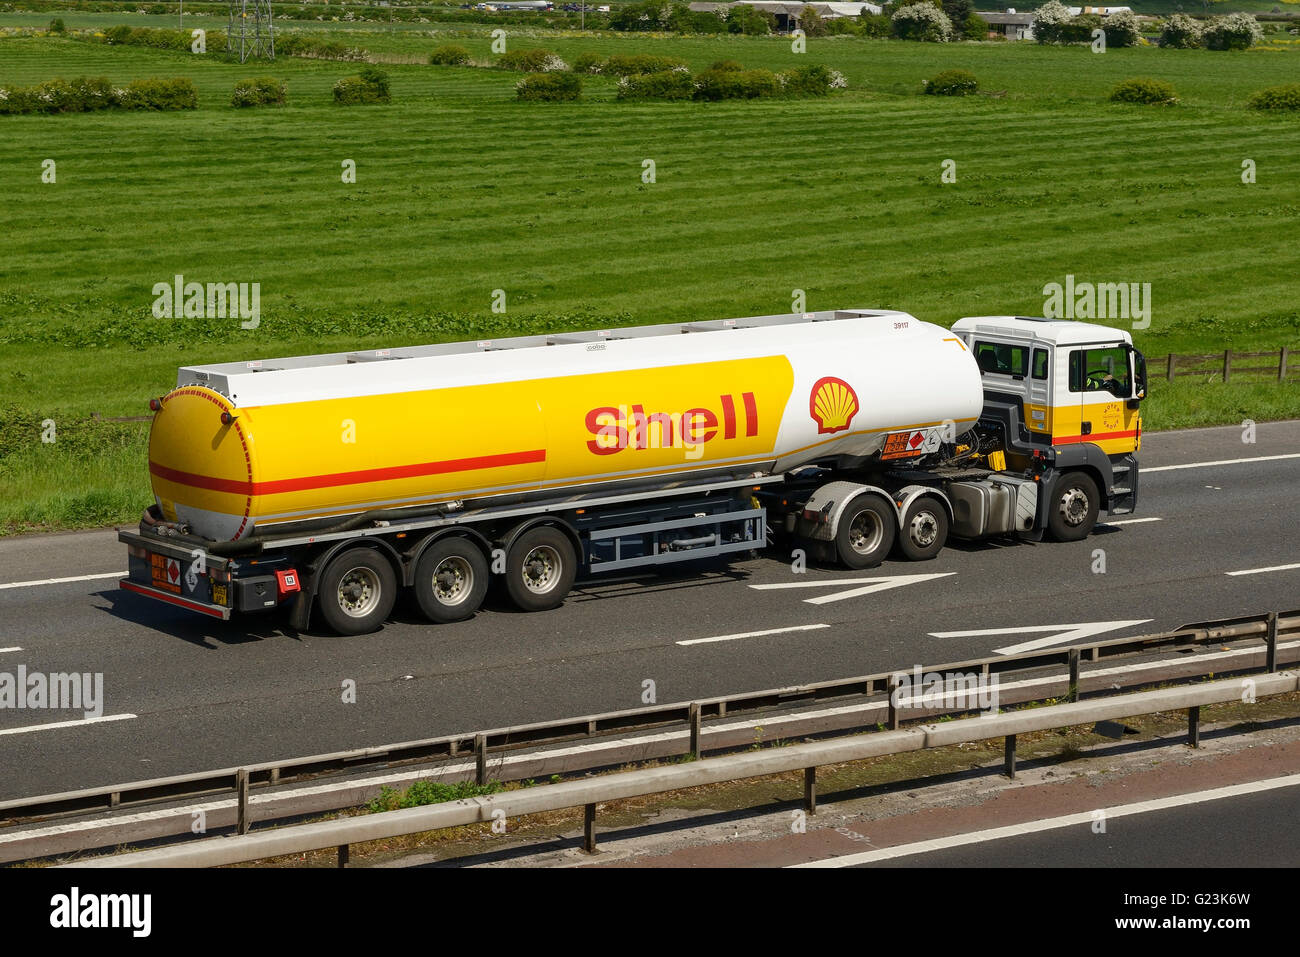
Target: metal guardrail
{"x":588,"y":794}
{"x":853,"y":694}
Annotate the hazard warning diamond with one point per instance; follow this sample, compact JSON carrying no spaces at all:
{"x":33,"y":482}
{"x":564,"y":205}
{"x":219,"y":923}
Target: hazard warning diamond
{"x":917,"y":439}
{"x":173,"y":570}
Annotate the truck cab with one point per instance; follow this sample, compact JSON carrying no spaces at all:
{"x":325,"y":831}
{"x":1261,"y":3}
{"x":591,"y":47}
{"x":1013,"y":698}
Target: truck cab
{"x":1063,"y":394}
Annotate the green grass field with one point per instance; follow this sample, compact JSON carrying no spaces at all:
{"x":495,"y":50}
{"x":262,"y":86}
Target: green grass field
{"x":460,"y":191}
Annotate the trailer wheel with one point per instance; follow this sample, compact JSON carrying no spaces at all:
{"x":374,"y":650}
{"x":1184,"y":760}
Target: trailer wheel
{"x":866,"y":533}
{"x":451,"y":580}
{"x":1074,"y":508}
{"x":925,"y":530}
{"x":357,"y":591}
{"x":540,"y":568}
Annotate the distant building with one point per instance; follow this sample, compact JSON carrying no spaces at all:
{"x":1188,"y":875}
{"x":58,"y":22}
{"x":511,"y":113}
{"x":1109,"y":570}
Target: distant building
{"x":1012,"y":25}
{"x":787,"y":13}
{"x":1099,"y":11}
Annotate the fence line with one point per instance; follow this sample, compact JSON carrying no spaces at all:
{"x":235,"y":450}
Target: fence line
{"x":1222,"y":363}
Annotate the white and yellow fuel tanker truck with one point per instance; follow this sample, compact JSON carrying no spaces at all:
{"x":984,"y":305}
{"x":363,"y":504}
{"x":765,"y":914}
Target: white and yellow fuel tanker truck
{"x":331,"y":482}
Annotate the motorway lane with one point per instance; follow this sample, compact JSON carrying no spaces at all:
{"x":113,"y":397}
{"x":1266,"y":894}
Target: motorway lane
{"x":209,"y":694}
{"x":1248,"y":830}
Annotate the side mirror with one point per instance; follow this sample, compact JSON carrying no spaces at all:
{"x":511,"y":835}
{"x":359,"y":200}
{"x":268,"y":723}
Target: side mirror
{"x":1139,"y":379}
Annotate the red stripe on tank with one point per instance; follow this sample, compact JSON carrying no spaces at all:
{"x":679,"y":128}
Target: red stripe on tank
{"x":336,"y":479}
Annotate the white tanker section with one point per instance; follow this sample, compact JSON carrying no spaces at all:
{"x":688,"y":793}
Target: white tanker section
{"x":244,"y":446}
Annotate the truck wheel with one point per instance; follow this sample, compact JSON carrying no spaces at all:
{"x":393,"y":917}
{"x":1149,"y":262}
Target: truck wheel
{"x":1074,"y":508}
{"x":540,"y":568}
{"x":925,"y":530}
{"x":451,"y":580}
{"x":357,"y":591}
{"x":866,"y":533}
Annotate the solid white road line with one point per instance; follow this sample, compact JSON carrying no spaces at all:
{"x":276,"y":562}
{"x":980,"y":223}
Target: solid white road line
{"x":1260,"y":571}
{"x":60,"y":581}
{"x":1132,"y":521}
{"x":1053,"y":823}
{"x":1203,"y":465}
{"x":14,"y":648}
{"x":66,"y":724}
{"x":751,"y":634}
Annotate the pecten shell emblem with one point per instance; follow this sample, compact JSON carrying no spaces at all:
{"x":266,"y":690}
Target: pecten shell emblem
{"x":832,"y":405}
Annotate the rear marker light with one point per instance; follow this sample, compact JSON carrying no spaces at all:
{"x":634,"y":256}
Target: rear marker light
{"x":227,"y":418}
{"x":155,"y":405}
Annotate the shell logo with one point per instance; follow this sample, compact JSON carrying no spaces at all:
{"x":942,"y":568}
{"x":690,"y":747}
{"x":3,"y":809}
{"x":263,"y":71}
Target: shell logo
{"x":832,"y":405}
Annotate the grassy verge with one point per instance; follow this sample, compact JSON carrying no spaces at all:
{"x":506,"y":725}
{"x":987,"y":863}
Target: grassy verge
{"x":461,"y":191}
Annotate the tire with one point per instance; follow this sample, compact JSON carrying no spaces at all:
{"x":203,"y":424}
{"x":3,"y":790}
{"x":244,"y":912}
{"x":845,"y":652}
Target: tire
{"x":924,"y":531}
{"x":357,"y":591}
{"x":451,"y":580}
{"x":540,"y":568}
{"x":1074,"y":508}
{"x":866,"y":533}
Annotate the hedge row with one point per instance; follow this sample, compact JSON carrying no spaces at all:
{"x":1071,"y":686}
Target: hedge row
{"x":535,"y":60}
{"x":87,"y":94}
{"x":951,"y":83}
{"x":729,"y":81}
{"x":638,"y":64}
{"x":368,"y":86}
{"x":260,"y":91}
{"x":449,"y":54}
{"x":1276,"y":98}
{"x":1144,"y":90}
{"x":550,"y":87}
{"x":286,"y":44}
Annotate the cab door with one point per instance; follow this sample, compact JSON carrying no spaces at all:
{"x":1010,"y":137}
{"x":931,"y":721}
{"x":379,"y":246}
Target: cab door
{"x":1100,"y":381}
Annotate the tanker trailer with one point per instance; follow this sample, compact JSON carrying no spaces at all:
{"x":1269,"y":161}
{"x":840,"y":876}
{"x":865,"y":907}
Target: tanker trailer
{"x":332,"y":481}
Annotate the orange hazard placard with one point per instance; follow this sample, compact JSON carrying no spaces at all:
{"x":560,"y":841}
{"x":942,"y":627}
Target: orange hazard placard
{"x":901,"y":445}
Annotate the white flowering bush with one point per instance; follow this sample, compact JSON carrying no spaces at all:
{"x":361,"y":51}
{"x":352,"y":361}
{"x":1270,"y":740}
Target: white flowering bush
{"x":1236,"y":31}
{"x":259,"y":91}
{"x":1181,"y":32}
{"x":921,"y":21}
{"x":1122,"y":29}
{"x":838,"y":82}
{"x":951,"y":83}
{"x":553,"y":64}
{"x":1050,"y":21}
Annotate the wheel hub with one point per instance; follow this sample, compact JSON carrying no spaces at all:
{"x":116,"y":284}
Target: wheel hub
{"x":1074,"y":507}
{"x":924,"y":529}
{"x":453,"y":580}
{"x":865,"y":532}
{"x":541,"y":569}
{"x":358,"y":592}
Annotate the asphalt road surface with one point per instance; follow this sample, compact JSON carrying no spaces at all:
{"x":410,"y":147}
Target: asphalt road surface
{"x":183,"y":693}
{"x":1249,"y":830}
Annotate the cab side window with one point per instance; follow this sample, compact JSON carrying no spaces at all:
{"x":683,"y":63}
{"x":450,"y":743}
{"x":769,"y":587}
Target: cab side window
{"x":1002,"y":358}
{"x":1040,"y":363}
